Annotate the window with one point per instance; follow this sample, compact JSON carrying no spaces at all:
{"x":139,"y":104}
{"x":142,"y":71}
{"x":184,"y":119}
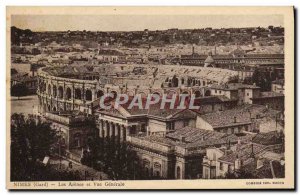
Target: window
{"x":214,"y":156}
{"x":220,"y":92}
{"x":88,"y":95}
{"x":221,"y":166}
{"x":143,"y":128}
{"x":178,"y":175}
{"x":247,"y":94}
{"x":216,"y":91}
{"x":171,"y":125}
{"x":157,"y":173}
{"x":185,"y":123}
{"x":206,"y":174}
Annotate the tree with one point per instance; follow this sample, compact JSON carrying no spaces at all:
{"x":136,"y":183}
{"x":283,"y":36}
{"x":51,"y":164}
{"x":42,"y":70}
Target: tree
{"x":116,"y":159}
{"x":31,"y":140}
{"x":19,"y":90}
{"x":241,"y":174}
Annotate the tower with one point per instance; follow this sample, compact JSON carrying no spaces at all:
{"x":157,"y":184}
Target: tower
{"x":209,"y":61}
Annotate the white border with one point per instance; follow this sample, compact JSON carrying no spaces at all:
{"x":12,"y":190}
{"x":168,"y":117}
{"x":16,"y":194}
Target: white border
{"x":5,"y":3}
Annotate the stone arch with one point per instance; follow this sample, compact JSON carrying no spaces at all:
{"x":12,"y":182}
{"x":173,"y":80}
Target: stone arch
{"x":78,"y":94}
{"x":207,"y":93}
{"x":146,"y":165}
{"x":175,"y":81}
{"x":54,"y":91}
{"x":194,"y":82}
{"x":182,"y":81}
{"x":171,"y":93}
{"x":197,"y":94}
{"x":114,"y":93}
{"x":157,"y":169}
{"x":130,"y":93}
{"x":44,"y":87}
{"x":189,"y":81}
{"x":146,"y":162}
{"x":54,"y":109}
{"x":60,"y":92}
{"x":68,"y":93}
{"x":143,"y":94}
{"x":185,"y":92}
{"x":49,"y":108}
{"x":157,"y":93}
{"x":209,"y":66}
{"x":88,"y":95}
{"x":100,"y":93}
{"x":199,"y":82}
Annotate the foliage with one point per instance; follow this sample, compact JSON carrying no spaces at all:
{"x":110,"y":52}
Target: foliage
{"x":263,"y":79}
{"x":19,"y":90}
{"x":118,"y":160}
{"x":31,"y":140}
{"x":241,"y":174}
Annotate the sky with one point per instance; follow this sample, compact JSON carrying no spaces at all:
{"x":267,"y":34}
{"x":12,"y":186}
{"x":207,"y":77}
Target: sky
{"x":140,"y":22}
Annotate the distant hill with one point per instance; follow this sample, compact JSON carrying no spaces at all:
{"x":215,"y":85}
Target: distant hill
{"x":19,"y":35}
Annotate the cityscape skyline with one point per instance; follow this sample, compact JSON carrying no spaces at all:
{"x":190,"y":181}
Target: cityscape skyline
{"x":40,"y":23}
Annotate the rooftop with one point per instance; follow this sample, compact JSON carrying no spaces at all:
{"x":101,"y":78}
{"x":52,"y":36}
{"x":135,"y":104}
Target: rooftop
{"x":147,"y":74}
{"x":190,"y":139}
{"x":269,"y":94}
{"x":243,"y":153}
{"x":243,"y":115}
{"x":269,"y":138}
{"x":279,"y":82}
{"x":154,"y":110}
{"x":234,"y":86}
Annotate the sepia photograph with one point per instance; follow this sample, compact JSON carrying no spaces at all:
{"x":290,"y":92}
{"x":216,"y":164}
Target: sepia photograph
{"x":150,"y":98}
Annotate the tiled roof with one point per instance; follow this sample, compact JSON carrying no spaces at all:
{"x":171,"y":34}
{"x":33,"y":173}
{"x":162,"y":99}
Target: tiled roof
{"x":193,"y":134}
{"x":269,"y":138}
{"x":161,"y":140}
{"x":109,"y":52}
{"x":220,"y":140}
{"x":242,"y":114}
{"x":279,"y":81}
{"x":194,"y":138}
{"x":269,"y":94}
{"x":265,"y":171}
{"x":212,"y":99}
{"x":244,"y":153}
